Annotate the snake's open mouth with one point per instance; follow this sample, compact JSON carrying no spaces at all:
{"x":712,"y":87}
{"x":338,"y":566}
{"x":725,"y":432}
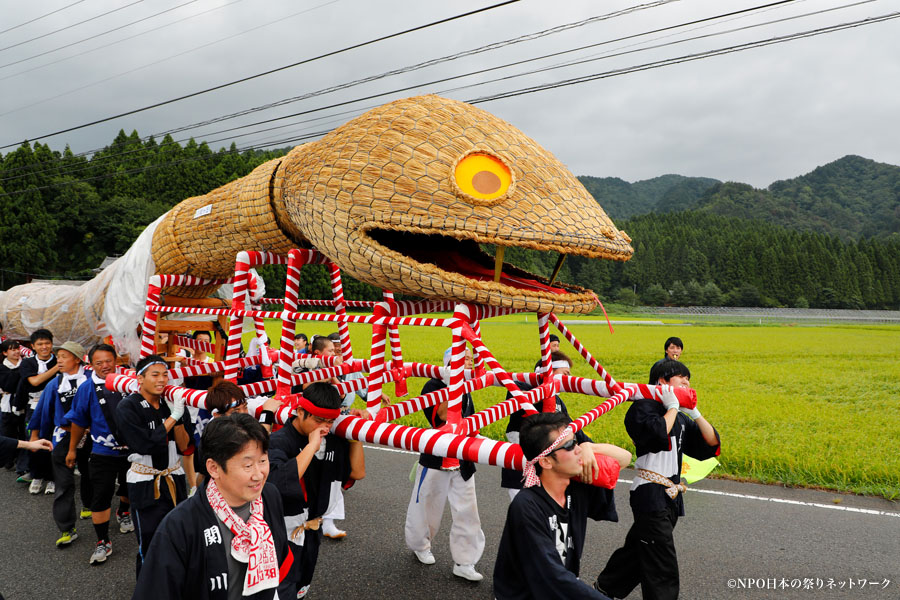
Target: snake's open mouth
{"x":464,"y":257}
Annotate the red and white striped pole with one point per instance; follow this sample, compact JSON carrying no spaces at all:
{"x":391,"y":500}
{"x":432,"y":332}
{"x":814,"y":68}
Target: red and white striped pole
{"x":400,"y":389}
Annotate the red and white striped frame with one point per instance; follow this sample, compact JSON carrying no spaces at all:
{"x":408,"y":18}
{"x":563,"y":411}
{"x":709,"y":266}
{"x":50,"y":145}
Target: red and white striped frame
{"x":153,"y":307}
{"x":385,"y":319}
{"x":400,"y":389}
{"x":376,"y":360}
{"x":340,"y":308}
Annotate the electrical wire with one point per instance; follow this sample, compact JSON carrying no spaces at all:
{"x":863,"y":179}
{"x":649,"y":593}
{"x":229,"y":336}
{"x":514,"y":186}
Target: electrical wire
{"x":687,"y":58}
{"x":271,"y":71}
{"x":101,"y":34}
{"x":124,"y":39}
{"x":526,"y":37}
{"x":486,"y":99}
{"x":614,"y":54}
{"x":153,"y":167}
{"x":41,"y":17}
{"x":55,"y":31}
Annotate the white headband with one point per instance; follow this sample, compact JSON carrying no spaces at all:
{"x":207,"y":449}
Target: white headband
{"x":150,"y":364}
{"x":556,"y":364}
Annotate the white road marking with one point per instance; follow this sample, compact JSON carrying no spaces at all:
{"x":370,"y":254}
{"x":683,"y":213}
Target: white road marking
{"x":386,"y":449}
{"x":866,"y":511}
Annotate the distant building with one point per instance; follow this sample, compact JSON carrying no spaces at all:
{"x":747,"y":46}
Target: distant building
{"x":106,"y":262}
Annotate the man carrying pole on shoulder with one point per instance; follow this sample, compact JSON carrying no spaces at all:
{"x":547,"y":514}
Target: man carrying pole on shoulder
{"x":157,"y":436}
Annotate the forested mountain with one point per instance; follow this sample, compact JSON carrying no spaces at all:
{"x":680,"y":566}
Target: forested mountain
{"x":852,"y":198}
{"x":667,"y":193}
{"x":61,"y":214}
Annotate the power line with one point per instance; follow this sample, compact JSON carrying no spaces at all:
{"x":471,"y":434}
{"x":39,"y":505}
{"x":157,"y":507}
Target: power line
{"x":55,"y":31}
{"x":52,"y":277}
{"x":770,"y":6}
{"x":156,"y":62}
{"x":533,"y":89}
{"x":613,"y":54}
{"x":443,"y":80}
{"x":154,"y":167}
{"x":511,"y":41}
{"x":428,"y":63}
{"x":481,"y":49}
{"x":688,"y":58}
{"x":101,"y":34}
{"x":41,"y":17}
{"x":486,"y":70}
{"x":271,"y":71}
{"x":452,"y":78}
{"x":125,"y":39}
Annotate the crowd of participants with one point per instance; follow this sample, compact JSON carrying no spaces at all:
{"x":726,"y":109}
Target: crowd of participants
{"x":226,"y":504}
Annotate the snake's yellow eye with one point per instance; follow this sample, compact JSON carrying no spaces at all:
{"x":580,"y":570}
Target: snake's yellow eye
{"x":482,"y":178}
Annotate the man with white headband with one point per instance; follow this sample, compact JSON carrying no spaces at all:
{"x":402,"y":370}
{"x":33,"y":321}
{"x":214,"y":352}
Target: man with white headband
{"x":227,"y":541}
{"x":438,"y":480}
{"x":540,"y":550}
{"x":157,"y":436}
{"x":308,"y":462}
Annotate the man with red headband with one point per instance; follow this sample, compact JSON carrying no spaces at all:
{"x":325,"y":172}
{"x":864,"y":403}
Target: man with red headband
{"x":307,"y":463}
{"x":226,"y":541}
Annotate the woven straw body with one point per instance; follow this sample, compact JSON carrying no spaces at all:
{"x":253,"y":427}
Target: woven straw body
{"x":202,"y":235}
{"x":399,"y":197}
{"x":392,"y":169}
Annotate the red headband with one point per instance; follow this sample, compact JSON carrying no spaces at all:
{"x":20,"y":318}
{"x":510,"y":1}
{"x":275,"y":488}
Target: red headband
{"x":325,"y":413}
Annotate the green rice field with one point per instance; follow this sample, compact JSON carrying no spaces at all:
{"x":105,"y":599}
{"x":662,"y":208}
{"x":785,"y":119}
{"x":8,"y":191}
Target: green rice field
{"x":798,"y":406}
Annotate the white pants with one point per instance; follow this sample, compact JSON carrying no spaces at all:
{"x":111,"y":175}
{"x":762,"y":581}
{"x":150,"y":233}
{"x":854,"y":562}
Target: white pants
{"x":335,"y":503}
{"x":426,"y":507}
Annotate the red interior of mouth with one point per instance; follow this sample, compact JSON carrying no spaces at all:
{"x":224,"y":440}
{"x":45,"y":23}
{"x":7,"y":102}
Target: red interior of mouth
{"x":456,"y":256}
{"x":458,"y":263}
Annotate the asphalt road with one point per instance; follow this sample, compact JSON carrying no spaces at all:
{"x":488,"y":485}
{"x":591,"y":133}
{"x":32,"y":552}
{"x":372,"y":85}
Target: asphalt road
{"x":847,"y":546}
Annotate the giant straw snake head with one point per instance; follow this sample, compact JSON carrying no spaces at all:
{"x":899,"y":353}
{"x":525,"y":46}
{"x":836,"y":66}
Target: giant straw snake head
{"x":402,"y":196}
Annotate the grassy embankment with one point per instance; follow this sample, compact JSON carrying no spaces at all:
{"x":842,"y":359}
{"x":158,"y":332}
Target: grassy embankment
{"x":800,"y":406}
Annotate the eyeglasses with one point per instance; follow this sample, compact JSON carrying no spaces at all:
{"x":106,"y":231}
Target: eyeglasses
{"x":570,"y":445}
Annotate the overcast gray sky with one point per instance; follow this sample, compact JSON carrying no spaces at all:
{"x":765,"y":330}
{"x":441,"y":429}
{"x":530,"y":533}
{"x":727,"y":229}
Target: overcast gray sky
{"x":755,"y":116}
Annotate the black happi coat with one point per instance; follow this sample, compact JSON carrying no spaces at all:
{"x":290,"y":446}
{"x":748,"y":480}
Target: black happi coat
{"x":308,"y":497}
{"x":187,"y":557}
{"x":8,"y":448}
{"x":28,"y":367}
{"x":540,"y":550}
{"x":466,"y":468}
{"x":654,"y":448}
{"x":141,"y":428}
{"x":314,"y":490}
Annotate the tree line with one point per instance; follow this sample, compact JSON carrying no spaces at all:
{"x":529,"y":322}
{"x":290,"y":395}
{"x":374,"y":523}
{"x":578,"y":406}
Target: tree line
{"x":697,"y":258}
{"x":62,"y":213}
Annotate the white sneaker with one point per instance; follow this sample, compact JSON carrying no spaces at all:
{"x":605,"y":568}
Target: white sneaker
{"x":101,"y":552}
{"x":467,"y":572}
{"x":51,"y":488}
{"x":35,"y":487}
{"x":425,"y":557}
{"x":329,"y":529}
